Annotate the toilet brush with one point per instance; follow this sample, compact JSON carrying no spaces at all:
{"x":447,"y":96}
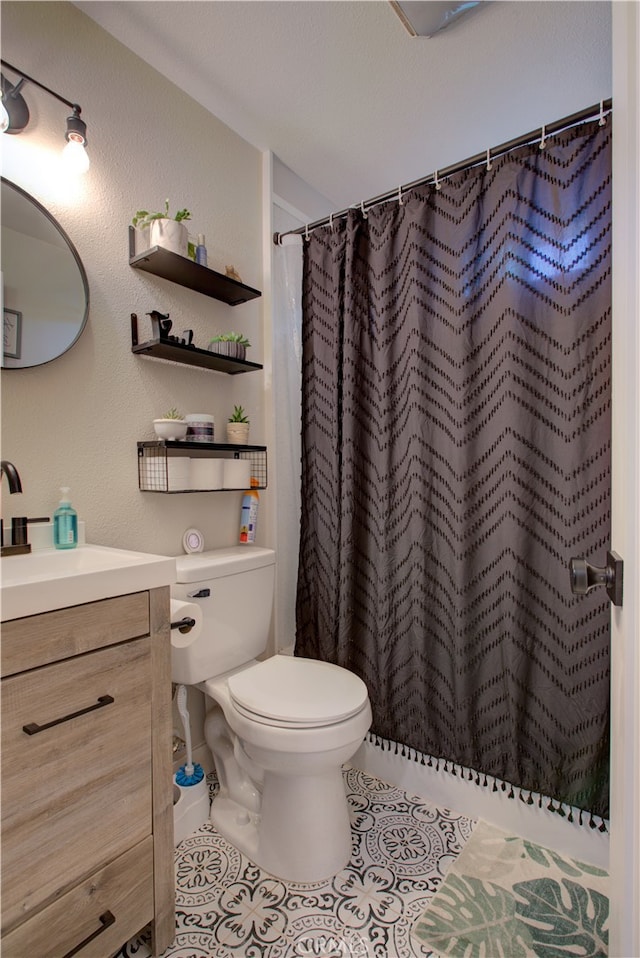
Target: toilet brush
{"x":187,"y":774}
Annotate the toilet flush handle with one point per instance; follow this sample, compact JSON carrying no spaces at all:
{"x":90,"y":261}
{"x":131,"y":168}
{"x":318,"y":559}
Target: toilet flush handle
{"x":186,"y":624}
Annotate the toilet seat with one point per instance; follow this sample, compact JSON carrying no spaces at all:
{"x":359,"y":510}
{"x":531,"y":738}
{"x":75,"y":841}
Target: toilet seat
{"x":288,"y":692}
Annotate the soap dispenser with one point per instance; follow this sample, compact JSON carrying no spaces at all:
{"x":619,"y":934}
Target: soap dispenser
{"x":65,"y":523}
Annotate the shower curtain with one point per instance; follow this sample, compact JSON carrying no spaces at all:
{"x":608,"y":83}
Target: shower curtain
{"x":455,"y":457}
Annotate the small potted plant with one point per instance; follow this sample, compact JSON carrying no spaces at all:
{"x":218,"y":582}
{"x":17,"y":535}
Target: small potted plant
{"x":233,"y":345}
{"x":165,"y":230}
{"x":238,"y":427}
{"x":170,"y":426}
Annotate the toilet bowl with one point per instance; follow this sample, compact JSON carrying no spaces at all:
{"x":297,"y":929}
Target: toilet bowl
{"x":279,"y":730}
{"x":298,"y":828}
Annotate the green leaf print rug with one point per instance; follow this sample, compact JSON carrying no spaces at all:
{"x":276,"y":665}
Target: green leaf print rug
{"x":505,"y":897}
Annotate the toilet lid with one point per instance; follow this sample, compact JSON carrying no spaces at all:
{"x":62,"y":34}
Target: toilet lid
{"x":297,"y":693}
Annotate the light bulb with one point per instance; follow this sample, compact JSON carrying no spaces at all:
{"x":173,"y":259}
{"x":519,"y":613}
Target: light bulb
{"x":75,"y":156}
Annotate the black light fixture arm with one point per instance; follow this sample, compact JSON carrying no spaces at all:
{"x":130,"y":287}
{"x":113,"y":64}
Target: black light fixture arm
{"x":16,"y":112}
{"x":25,"y":76}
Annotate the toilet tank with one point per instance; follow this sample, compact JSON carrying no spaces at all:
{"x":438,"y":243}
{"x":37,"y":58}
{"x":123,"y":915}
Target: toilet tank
{"x":234,"y":589}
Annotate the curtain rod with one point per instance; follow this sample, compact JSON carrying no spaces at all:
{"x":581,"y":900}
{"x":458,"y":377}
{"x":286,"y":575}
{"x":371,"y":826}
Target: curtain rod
{"x":588,"y":113}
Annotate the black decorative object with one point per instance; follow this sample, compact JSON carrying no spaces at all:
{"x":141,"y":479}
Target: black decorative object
{"x":160,"y":324}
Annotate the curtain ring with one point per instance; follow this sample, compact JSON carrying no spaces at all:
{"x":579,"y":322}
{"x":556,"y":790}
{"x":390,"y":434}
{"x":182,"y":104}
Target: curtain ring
{"x":435,"y":180}
{"x":602,"y":120}
{"x":331,"y":220}
{"x":542,"y":143}
{"x":400,"y":200}
{"x":489,"y":164}
{"x":306,"y":232}
{"x":362,"y":210}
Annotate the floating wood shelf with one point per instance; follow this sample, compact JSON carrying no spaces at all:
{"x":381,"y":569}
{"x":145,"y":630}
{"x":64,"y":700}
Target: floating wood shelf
{"x":183,"y":271}
{"x":192,"y":356}
{"x":188,"y":355}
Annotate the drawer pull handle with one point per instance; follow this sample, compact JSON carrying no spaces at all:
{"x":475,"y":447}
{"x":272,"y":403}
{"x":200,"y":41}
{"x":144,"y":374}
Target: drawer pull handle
{"x":33,"y":727}
{"x":105,"y":920}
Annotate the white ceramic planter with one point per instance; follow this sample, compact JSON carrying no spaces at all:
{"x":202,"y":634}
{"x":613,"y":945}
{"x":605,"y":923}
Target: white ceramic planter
{"x":170,"y":428}
{"x":142,"y":239}
{"x":171,"y":235}
{"x":238,"y":433}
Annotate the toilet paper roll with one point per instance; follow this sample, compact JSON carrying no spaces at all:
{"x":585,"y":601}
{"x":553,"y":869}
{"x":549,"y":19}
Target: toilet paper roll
{"x":178,"y":472}
{"x":206,"y":474}
{"x":178,"y":466}
{"x":183,"y":667}
{"x":236,"y":474}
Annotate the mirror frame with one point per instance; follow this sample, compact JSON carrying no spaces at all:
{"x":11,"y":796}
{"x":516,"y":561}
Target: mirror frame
{"x":79,"y":264}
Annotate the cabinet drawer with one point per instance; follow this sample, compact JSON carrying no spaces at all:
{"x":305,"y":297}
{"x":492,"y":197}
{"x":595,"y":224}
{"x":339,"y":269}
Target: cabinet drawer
{"x":123,"y":890}
{"x":77,"y":792}
{"x":39,"y":639}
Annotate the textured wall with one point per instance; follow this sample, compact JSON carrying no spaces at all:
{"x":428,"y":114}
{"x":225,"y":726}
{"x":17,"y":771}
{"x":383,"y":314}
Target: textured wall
{"x":76,"y":421}
{"x":352,"y":103}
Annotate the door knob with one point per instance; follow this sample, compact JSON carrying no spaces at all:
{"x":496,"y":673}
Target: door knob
{"x":585,"y":577}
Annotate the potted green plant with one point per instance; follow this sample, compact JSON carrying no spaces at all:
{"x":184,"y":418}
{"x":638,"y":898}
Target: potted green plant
{"x":238,"y":427}
{"x":170,"y":426}
{"x":165,"y":230}
{"x":231,"y":344}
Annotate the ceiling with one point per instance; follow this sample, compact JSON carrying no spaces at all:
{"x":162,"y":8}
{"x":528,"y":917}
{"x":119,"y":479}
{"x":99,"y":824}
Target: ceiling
{"x":353,"y":104}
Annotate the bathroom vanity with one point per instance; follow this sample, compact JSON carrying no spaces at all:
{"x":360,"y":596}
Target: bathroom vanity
{"x":87,"y":798}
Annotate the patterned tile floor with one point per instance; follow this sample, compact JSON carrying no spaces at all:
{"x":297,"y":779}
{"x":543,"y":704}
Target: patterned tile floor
{"x":226,"y":907}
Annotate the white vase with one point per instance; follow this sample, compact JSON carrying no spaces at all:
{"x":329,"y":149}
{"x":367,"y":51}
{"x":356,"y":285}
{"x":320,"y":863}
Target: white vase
{"x":171,"y":235}
{"x":142,"y":239}
{"x":238,"y":433}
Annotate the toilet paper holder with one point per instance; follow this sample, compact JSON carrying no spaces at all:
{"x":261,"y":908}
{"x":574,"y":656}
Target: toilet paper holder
{"x":184,"y":625}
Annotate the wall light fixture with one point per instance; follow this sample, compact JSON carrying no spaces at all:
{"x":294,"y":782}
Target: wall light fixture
{"x":14,"y":117}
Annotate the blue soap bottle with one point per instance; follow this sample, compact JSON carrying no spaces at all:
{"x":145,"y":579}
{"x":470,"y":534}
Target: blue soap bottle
{"x":65,"y":523}
{"x":201,"y":251}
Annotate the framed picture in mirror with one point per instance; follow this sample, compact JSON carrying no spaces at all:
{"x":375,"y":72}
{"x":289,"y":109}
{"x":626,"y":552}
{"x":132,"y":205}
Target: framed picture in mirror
{"x":11,"y":333}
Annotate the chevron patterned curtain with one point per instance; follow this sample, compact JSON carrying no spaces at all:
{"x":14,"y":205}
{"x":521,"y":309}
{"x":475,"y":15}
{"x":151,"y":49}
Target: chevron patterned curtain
{"x":456,"y":451}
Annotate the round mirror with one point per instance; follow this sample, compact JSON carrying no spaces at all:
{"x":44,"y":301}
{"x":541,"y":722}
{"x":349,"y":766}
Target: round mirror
{"x":46,"y":294}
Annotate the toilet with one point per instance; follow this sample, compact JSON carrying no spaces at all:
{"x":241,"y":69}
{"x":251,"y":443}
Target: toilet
{"x":279,"y":729}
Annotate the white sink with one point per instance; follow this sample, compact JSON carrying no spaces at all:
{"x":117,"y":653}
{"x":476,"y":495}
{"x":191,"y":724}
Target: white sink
{"x":55,"y":578}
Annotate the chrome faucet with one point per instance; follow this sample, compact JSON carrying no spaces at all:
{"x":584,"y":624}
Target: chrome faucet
{"x":19,"y":540}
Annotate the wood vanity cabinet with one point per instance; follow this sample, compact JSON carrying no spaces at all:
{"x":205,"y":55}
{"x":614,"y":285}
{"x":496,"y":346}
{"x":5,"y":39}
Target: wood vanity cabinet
{"x":87,"y":794}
